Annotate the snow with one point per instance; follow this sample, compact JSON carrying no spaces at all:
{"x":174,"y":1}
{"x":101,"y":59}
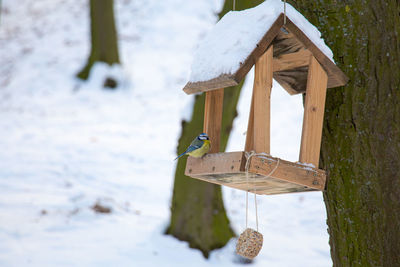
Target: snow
{"x":67,"y":145}
{"x":236,"y":35}
{"x":309,"y":166}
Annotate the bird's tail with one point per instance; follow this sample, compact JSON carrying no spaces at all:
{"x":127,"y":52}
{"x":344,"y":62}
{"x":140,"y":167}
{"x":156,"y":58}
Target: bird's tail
{"x":180,"y":155}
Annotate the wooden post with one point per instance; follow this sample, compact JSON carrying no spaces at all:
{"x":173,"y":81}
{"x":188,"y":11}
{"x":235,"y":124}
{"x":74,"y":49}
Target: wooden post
{"x":314,"y":107}
{"x":249,"y":146}
{"x":213,"y":117}
{"x":258,"y":129}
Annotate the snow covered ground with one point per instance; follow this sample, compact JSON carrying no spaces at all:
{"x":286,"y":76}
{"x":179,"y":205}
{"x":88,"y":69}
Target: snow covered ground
{"x":67,"y":145}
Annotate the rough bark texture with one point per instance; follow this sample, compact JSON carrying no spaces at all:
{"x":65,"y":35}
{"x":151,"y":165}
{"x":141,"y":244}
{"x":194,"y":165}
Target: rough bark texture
{"x":103,"y":36}
{"x":361,"y":135}
{"x":197,"y":211}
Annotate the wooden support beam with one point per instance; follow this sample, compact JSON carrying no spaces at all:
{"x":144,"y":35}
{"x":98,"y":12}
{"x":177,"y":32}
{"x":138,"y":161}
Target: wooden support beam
{"x":249,"y":145}
{"x":292,"y":60}
{"x":229,"y":169}
{"x":258,"y":129}
{"x":313,"y":113}
{"x":213,"y":117}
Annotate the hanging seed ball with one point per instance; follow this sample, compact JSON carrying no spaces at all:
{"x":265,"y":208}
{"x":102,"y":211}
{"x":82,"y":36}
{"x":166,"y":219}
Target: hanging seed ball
{"x":249,"y":243}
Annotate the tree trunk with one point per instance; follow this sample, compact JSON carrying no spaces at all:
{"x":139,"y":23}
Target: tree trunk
{"x":197,"y":211}
{"x":361,"y":135}
{"x":103,"y":36}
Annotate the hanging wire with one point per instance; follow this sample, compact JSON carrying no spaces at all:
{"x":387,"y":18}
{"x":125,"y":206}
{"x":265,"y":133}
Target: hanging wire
{"x":247,"y":166}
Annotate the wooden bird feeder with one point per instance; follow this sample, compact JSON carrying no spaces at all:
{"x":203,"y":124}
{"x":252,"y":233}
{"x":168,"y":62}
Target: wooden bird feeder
{"x":288,"y":55}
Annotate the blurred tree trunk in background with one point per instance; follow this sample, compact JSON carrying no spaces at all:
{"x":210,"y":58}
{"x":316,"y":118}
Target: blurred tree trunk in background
{"x":103,"y":35}
{"x":197,"y":211}
{"x":361,"y":135}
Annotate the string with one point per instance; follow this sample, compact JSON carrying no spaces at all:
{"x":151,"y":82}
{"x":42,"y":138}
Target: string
{"x":255,"y":204}
{"x":284,"y":12}
{"x":247,"y":166}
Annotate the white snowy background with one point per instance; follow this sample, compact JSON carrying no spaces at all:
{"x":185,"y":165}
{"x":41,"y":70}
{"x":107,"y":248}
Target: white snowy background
{"x":66,"y":145}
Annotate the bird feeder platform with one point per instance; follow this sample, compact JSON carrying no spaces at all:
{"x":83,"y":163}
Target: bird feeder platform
{"x":297,"y":62}
{"x":228,"y":169}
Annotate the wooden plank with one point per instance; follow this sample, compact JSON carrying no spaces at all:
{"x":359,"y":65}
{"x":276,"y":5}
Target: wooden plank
{"x":293,"y":81}
{"x":336,"y":76}
{"x":260,"y":130}
{"x":289,"y":172}
{"x":249,"y":146}
{"x":262,"y":186}
{"x":313,"y":113}
{"x":286,"y":43}
{"x":292,"y":60}
{"x":229,"y":169}
{"x":222,"y":81}
{"x":262,"y":101}
{"x":213,"y":117}
{"x":285,"y":85}
{"x":216,"y":163}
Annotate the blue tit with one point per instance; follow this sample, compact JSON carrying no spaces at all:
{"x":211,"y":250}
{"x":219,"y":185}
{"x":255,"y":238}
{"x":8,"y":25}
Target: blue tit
{"x":199,"y":146}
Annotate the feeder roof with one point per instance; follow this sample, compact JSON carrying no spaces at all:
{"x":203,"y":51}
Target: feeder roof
{"x":231,"y":48}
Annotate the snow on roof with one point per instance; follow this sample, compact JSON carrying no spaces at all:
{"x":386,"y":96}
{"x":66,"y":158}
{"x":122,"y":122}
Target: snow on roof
{"x":236,"y":35}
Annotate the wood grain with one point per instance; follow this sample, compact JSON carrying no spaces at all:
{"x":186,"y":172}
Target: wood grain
{"x":286,"y":43}
{"x":213,"y":117}
{"x":313,"y":113}
{"x":229,"y":169}
{"x":292,"y":60}
{"x":222,"y":81}
{"x":294,"y":81}
{"x":262,"y":101}
{"x":258,"y":128}
{"x":249,"y":145}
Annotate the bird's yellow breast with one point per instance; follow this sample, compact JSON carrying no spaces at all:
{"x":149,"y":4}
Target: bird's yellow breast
{"x":198,"y":153}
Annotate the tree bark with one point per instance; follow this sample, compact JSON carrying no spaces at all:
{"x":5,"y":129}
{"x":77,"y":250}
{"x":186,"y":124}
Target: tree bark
{"x":197,"y":211}
{"x":361,"y":135}
{"x":104,"y":43}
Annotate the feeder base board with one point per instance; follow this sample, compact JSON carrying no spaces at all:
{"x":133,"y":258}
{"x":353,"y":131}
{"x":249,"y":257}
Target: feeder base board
{"x":229,"y":169}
